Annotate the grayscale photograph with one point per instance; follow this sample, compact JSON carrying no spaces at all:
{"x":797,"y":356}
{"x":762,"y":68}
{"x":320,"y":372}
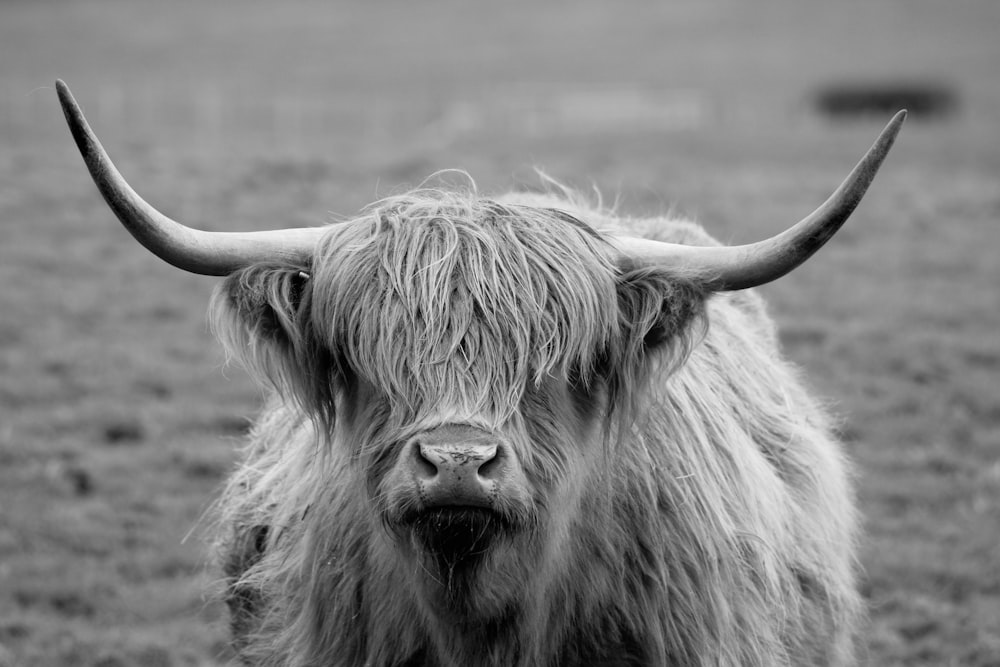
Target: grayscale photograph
{"x":499,"y":334}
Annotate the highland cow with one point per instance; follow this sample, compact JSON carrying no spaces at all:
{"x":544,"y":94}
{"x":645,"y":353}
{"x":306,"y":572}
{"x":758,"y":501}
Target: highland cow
{"x":521,"y":431}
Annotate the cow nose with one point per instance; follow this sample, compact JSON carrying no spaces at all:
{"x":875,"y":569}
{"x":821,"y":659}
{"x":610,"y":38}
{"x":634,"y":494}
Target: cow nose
{"x":457,"y":474}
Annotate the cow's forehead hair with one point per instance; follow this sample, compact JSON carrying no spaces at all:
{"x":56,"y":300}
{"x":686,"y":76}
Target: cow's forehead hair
{"x":447,"y":298}
{"x":440,"y":416}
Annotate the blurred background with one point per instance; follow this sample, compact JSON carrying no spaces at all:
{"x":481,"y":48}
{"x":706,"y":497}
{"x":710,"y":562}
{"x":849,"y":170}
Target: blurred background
{"x":119,"y":419}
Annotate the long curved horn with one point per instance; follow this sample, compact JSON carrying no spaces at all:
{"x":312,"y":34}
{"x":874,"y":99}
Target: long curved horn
{"x":207,"y":253}
{"x":740,"y":267}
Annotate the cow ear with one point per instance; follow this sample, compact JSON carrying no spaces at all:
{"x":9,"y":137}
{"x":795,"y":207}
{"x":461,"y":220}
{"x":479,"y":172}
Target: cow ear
{"x":655,"y":308}
{"x":260,"y":313}
{"x":267,"y":300}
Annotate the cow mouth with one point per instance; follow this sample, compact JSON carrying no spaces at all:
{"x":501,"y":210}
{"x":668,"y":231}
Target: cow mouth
{"x":458,"y":536}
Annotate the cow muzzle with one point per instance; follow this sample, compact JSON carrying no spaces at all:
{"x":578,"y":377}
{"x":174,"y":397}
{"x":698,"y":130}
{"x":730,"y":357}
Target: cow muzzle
{"x":457,"y":467}
{"x":458,"y":488}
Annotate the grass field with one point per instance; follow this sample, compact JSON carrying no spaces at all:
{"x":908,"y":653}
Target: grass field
{"x":118,"y":419}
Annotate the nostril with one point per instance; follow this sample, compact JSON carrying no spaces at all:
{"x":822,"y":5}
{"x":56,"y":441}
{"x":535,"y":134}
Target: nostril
{"x":425,"y":467}
{"x":491,"y":467}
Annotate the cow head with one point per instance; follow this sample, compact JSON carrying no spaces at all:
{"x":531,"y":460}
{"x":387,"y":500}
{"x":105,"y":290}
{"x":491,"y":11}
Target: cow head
{"x":467,"y":358}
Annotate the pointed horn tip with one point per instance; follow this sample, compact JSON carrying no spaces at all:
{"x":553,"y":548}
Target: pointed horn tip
{"x":67,"y":101}
{"x":883,"y":144}
{"x":894,"y":125}
{"x":898,"y":119}
{"x":63,"y":91}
